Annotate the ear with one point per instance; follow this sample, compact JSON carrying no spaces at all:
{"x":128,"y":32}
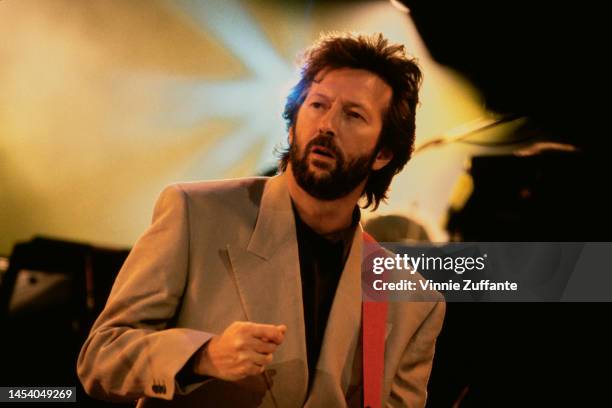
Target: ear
{"x":383,"y":157}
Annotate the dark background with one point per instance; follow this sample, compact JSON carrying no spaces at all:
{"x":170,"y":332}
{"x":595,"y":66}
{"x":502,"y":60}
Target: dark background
{"x":545,"y":62}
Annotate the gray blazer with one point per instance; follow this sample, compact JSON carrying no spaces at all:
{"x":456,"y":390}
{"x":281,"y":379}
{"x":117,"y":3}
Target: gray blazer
{"x":221,"y":251}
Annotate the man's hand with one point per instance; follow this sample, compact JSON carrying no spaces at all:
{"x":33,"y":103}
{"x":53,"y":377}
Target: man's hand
{"x":244,"y":349}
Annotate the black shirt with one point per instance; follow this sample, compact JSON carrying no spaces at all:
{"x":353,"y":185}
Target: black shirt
{"x":322,"y":260}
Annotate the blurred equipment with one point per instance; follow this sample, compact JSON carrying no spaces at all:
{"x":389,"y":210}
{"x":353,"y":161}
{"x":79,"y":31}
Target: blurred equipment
{"x":50,"y":295}
{"x":396,"y":228}
{"x":536,"y":197}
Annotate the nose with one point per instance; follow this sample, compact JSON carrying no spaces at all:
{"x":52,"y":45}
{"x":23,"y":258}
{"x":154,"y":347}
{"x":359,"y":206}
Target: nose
{"x":328,"y":122}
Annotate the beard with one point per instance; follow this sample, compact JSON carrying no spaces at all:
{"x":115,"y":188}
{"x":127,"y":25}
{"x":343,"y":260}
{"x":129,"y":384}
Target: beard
{"x":341,"y":178}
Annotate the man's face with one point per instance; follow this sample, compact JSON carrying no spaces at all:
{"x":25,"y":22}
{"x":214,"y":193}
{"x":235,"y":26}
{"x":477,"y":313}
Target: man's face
{"x":333,"y":142}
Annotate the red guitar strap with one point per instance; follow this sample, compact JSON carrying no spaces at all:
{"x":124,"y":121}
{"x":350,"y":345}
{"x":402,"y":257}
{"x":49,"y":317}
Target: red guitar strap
{"x":374,"y":318}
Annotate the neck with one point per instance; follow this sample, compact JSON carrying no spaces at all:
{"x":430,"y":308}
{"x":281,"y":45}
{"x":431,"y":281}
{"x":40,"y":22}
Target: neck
{"x":323,"y":216}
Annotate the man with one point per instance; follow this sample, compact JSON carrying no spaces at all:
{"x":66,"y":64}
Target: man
{"x":248,"y":292}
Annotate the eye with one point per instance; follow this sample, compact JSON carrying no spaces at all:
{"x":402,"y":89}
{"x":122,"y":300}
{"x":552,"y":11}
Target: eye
{"x":316,"y":105}
{"x":354,"y":115}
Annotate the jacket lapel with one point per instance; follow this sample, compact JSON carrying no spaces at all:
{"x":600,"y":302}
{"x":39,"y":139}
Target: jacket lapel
{"x":267,"y":276}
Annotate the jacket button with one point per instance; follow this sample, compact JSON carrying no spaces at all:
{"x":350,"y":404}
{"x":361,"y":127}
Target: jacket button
{"x":159,"y":389}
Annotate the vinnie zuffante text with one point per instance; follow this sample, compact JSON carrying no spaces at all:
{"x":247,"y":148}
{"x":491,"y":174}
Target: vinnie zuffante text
{"x":458,"y":265}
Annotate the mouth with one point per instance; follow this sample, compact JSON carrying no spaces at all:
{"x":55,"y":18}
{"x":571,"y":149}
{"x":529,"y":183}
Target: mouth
{"x":323,"y":152}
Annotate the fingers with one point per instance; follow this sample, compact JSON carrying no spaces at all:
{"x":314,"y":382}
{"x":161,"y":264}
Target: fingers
{"x":253,"y":344}
{"x":248,"y":336}
{"x":242,"y":350}
{"x":263,"y":347}
{"x":252,"y":363}
{"x":268,"y":332}
{"x":253,"y":369}
{"x":261,"y":344}
{"x":258,"y":358}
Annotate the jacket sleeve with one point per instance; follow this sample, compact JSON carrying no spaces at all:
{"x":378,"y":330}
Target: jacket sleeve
{"x":132,"y":351}
{"x":409,"y":386}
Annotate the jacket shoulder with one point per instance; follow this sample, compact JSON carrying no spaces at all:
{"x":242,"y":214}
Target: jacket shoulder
{"x":217,"y":187}
{"x":238,"y":198}
{"x":251,"y":187}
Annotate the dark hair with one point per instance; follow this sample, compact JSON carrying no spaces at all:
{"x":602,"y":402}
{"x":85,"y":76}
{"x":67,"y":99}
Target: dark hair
{"x":391,"y":64}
